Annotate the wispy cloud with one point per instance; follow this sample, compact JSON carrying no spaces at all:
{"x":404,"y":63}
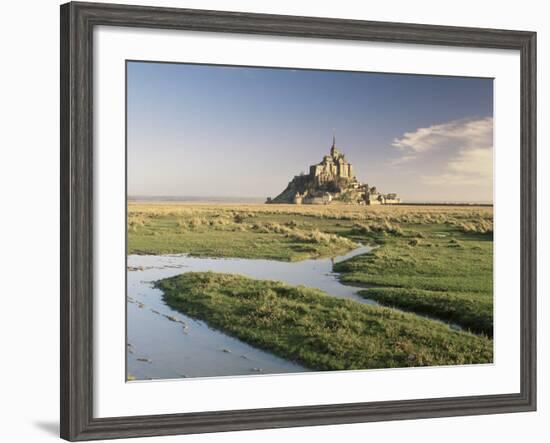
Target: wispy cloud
{"x":469,"y":168}
{"x":468,"y":133}
{"x":400,"y":160}
{"x":467,"y":146}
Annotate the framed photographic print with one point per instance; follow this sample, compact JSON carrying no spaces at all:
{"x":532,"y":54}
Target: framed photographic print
{"x":273,"y":221}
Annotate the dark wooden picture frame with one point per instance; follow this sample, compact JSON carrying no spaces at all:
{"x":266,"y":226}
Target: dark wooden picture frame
{"x":77,"y":23}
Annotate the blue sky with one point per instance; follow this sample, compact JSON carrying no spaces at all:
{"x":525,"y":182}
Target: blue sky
{"x":196,"y":130}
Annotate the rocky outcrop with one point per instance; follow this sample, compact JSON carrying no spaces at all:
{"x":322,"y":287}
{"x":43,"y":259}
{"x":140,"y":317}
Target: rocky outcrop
{"x":331,"y":180}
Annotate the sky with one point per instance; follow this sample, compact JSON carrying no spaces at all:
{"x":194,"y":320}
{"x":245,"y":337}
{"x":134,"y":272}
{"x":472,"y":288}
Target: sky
{"x":221,"y":131}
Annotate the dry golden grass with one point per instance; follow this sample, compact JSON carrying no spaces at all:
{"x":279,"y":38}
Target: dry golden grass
{"x":397,"y":213}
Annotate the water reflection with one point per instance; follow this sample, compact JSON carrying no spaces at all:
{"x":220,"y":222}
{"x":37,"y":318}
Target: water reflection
{"x":163,"y":343}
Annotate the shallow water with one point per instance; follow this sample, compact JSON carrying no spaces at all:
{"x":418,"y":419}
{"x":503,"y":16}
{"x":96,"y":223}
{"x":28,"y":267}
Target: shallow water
{"x":163,"y":343}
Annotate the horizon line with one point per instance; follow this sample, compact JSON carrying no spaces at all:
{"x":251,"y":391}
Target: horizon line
{"x":220,"y":198}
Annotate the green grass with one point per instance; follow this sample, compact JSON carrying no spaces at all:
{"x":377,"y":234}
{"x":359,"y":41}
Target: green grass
{"x":469,"y":310}
{"x":444,"y":273}
{"x":430,"y":260}
{"x":233,"y":235}
{"x":317,"y":330}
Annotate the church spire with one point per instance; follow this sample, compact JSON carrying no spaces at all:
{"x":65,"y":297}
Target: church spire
{"x":333,"y":143}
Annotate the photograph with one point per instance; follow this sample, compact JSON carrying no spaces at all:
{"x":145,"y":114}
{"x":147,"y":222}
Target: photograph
{"x":275,"y":221}
{"x":284,"y":220}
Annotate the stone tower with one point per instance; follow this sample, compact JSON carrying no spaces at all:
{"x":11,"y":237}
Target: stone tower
{"x":333,"y":151}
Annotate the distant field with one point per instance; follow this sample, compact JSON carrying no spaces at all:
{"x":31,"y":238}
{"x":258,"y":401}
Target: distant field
{"x":283,"y":232}
{"x":436,"y":261}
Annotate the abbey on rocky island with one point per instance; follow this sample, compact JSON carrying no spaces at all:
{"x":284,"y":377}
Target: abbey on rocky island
{"x":332,"y":180}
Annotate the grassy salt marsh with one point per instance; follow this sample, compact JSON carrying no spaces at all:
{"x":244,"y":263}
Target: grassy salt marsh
{"x":317,"y":330}
{"x":430,"y":260}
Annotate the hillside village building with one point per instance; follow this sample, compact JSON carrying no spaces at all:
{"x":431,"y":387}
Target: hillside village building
{"x":332,"y":180}
{"x":333,"y":166}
